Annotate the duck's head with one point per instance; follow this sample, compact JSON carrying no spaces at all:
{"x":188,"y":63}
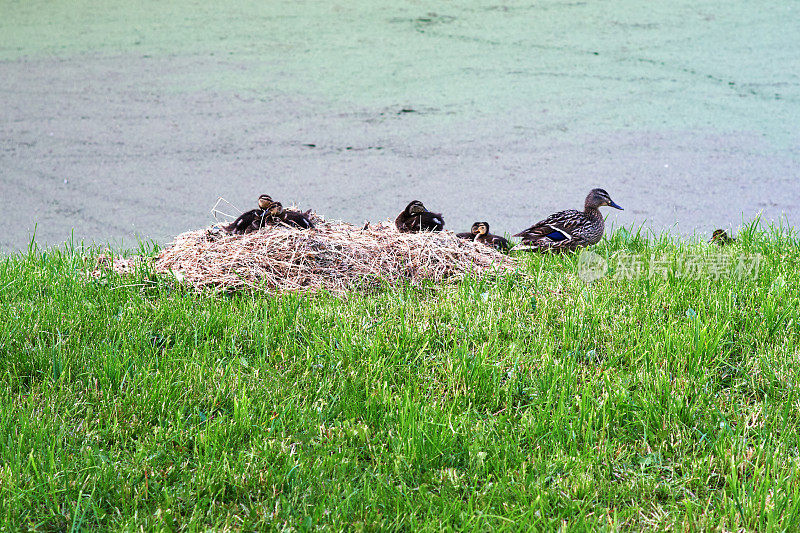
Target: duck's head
{"x":598,"y":198}
{"x":481,"y":227}
{"x":720,"y":236}
{"x":264,"y":201}
{"x":415,"y":208}
{"x":275,"y":208}
{"x":476,"y":228}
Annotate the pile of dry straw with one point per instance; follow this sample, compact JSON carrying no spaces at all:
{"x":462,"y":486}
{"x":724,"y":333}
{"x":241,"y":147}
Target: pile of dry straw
{"x":335,"y":256}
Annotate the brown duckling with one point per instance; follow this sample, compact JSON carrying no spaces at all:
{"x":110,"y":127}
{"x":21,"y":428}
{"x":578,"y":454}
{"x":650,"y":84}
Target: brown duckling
{"x":249,"y":220}
{"x":415,"y":218}
{"x":469,"y":235}
{"x":295,"y":219}
{"x":721,"y":238}
{"x":495,"y":241}
{"x":269,"y":215}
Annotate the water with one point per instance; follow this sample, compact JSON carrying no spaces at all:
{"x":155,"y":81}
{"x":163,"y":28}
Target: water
{"x":121,"y":122}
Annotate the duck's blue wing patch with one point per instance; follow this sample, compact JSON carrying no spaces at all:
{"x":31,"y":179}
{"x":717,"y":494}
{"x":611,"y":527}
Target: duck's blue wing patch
{"x":556,"y":236}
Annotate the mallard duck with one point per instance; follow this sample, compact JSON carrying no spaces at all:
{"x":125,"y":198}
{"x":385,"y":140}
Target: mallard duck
{"x":570,"y":229}
{"x":470,"y":235}
{"x":415,"y":218}
{"x":495,"y":241}
{"x":721,"y":238}
{"x":291,"y":218}
{"x":247,"y":220}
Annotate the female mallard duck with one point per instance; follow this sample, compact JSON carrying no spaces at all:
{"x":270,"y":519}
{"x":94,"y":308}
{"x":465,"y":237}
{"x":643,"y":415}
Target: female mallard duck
{"x":721,"y":238}
{"x":291,"y":218}
{"x":415,"y":218}
{"x":495,"y":241}
{"x":469,"y":235}
{"x":570,"y":229}
{"x":250,"y":220}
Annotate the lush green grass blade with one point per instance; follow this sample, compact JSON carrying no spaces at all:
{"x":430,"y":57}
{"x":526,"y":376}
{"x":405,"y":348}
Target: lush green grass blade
{"x":536,"y":401}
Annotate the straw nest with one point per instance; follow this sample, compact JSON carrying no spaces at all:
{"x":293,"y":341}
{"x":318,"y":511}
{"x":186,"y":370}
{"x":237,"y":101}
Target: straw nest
{"x":335,"y":256}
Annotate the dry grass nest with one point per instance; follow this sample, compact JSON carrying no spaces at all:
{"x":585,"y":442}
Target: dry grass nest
{"x":335,"y":256}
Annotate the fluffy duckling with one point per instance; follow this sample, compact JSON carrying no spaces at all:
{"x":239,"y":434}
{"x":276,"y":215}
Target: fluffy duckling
{"x":269,"y":215}
{"x":495,"y":241}
{"x":249,"y":220}
{"x":720,"y":237}
{"x":415,"y":218}
{"x":469,"y":235}
{"x":291,"y":218}
{"x":569,"y":230}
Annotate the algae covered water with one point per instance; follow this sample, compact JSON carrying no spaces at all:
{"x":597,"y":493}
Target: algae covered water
{"x":130,"y":121}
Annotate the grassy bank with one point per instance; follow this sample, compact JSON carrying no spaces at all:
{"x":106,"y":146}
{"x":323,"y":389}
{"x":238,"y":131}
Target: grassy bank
{"x":538,"y":400}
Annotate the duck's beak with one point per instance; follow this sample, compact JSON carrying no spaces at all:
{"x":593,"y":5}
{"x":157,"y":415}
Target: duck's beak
{"x":615,"y":206}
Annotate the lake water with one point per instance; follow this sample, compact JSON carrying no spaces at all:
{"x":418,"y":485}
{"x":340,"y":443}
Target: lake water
{"x":125,"y":122}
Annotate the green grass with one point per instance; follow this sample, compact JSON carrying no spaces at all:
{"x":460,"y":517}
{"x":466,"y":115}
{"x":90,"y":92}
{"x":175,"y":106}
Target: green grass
{"x":535,"y":401}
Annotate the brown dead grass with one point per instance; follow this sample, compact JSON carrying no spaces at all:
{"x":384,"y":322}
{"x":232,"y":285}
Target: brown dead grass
{"x":336,"y":257}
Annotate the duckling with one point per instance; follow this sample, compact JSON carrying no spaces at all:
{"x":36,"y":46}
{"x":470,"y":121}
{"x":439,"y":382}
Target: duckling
{"x":471,"y":234}
{"x":269,"y":215}
{"x":720,"y":237}
{"x":570,"y":229}
{"x":495,"y":241}
{"x":295,"y":219}
{"x":415,"y":218}
{"x":246,"y":221}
